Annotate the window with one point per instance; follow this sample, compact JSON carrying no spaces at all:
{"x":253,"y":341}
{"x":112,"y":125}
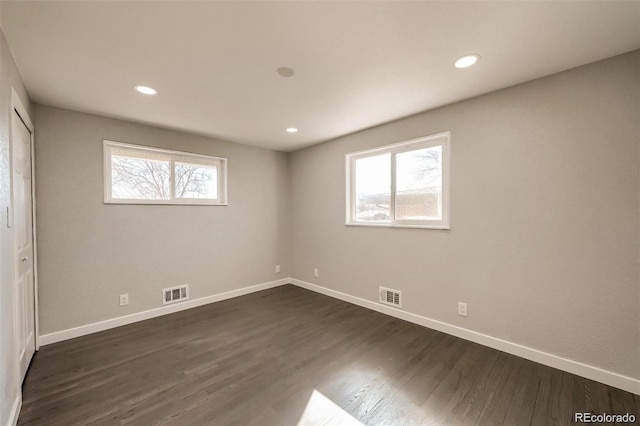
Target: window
{"x":142,"y":175}
{"x":400,"y":185}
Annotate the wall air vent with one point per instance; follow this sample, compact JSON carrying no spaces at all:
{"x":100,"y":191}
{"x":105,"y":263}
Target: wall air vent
{"x":175,"y":294}
{"x":390,"y":297}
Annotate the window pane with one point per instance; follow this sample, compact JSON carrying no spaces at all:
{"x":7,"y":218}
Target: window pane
{"x":373,"y":188}
{"x":139,"y":176}
{"x":419,"y":184}
{"x":196,"y":180}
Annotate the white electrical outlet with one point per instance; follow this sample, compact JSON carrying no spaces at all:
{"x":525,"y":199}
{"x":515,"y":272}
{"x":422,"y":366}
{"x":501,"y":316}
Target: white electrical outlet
{"x":462,"y":309}
{"x":124,"y":299}
{"x":277,"y":269}
{"x":315,"y":272}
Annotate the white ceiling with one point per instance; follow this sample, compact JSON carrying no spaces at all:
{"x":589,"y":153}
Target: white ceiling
{"x":358,"y":64}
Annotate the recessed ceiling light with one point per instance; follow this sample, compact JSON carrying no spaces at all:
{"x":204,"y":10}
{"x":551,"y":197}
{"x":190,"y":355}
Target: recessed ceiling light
{"x":467,"y":61}
{"x":285,"y":71}
{"x":145,"y":90}
{"x":292,"y":130}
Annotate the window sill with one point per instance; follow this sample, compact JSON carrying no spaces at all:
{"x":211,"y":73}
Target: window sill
{"x":165,"y":203}
{"x":398,"y":225}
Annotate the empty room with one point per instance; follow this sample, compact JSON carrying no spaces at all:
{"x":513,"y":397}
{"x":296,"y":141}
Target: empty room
{"x":319,"y":213}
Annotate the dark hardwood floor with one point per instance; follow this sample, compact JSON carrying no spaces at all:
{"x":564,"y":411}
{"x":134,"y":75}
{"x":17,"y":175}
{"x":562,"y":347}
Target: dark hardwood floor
{"x":289,"y":356}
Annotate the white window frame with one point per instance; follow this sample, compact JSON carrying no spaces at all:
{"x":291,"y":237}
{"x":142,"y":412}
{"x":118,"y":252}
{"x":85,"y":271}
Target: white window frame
{"x":175,"y":156}
{"x":440,"y":139}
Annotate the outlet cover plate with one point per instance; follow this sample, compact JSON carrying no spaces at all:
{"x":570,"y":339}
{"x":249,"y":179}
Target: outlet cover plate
{"x":462,"y":309}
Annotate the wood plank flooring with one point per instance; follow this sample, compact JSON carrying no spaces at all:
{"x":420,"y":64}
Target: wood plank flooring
{"x":288,"y":356}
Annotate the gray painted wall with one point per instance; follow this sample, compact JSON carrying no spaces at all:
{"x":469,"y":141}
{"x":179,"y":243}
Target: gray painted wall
{"x":544,"y":239}
{"x":89,"y":252}
{"x":9,"y":383}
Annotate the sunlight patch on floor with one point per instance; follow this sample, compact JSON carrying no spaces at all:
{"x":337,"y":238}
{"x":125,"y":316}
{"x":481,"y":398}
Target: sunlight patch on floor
{"x":320,"y":410}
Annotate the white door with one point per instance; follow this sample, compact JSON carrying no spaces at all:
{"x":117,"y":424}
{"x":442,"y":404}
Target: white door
{"x":23,"y":242}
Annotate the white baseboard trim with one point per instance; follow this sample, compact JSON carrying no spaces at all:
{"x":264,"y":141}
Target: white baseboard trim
{"x":584,"y":370}
{"x":95,"y":327}
{"x":15,"y":410}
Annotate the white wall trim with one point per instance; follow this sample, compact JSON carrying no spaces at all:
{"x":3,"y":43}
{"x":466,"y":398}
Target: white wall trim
{"x":15,"y":410}
{"x":95,"y":327}
{"x":590,"y":372}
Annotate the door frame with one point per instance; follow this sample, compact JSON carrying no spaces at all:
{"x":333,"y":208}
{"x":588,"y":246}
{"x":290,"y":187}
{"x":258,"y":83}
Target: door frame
{"x":19,"y":108}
